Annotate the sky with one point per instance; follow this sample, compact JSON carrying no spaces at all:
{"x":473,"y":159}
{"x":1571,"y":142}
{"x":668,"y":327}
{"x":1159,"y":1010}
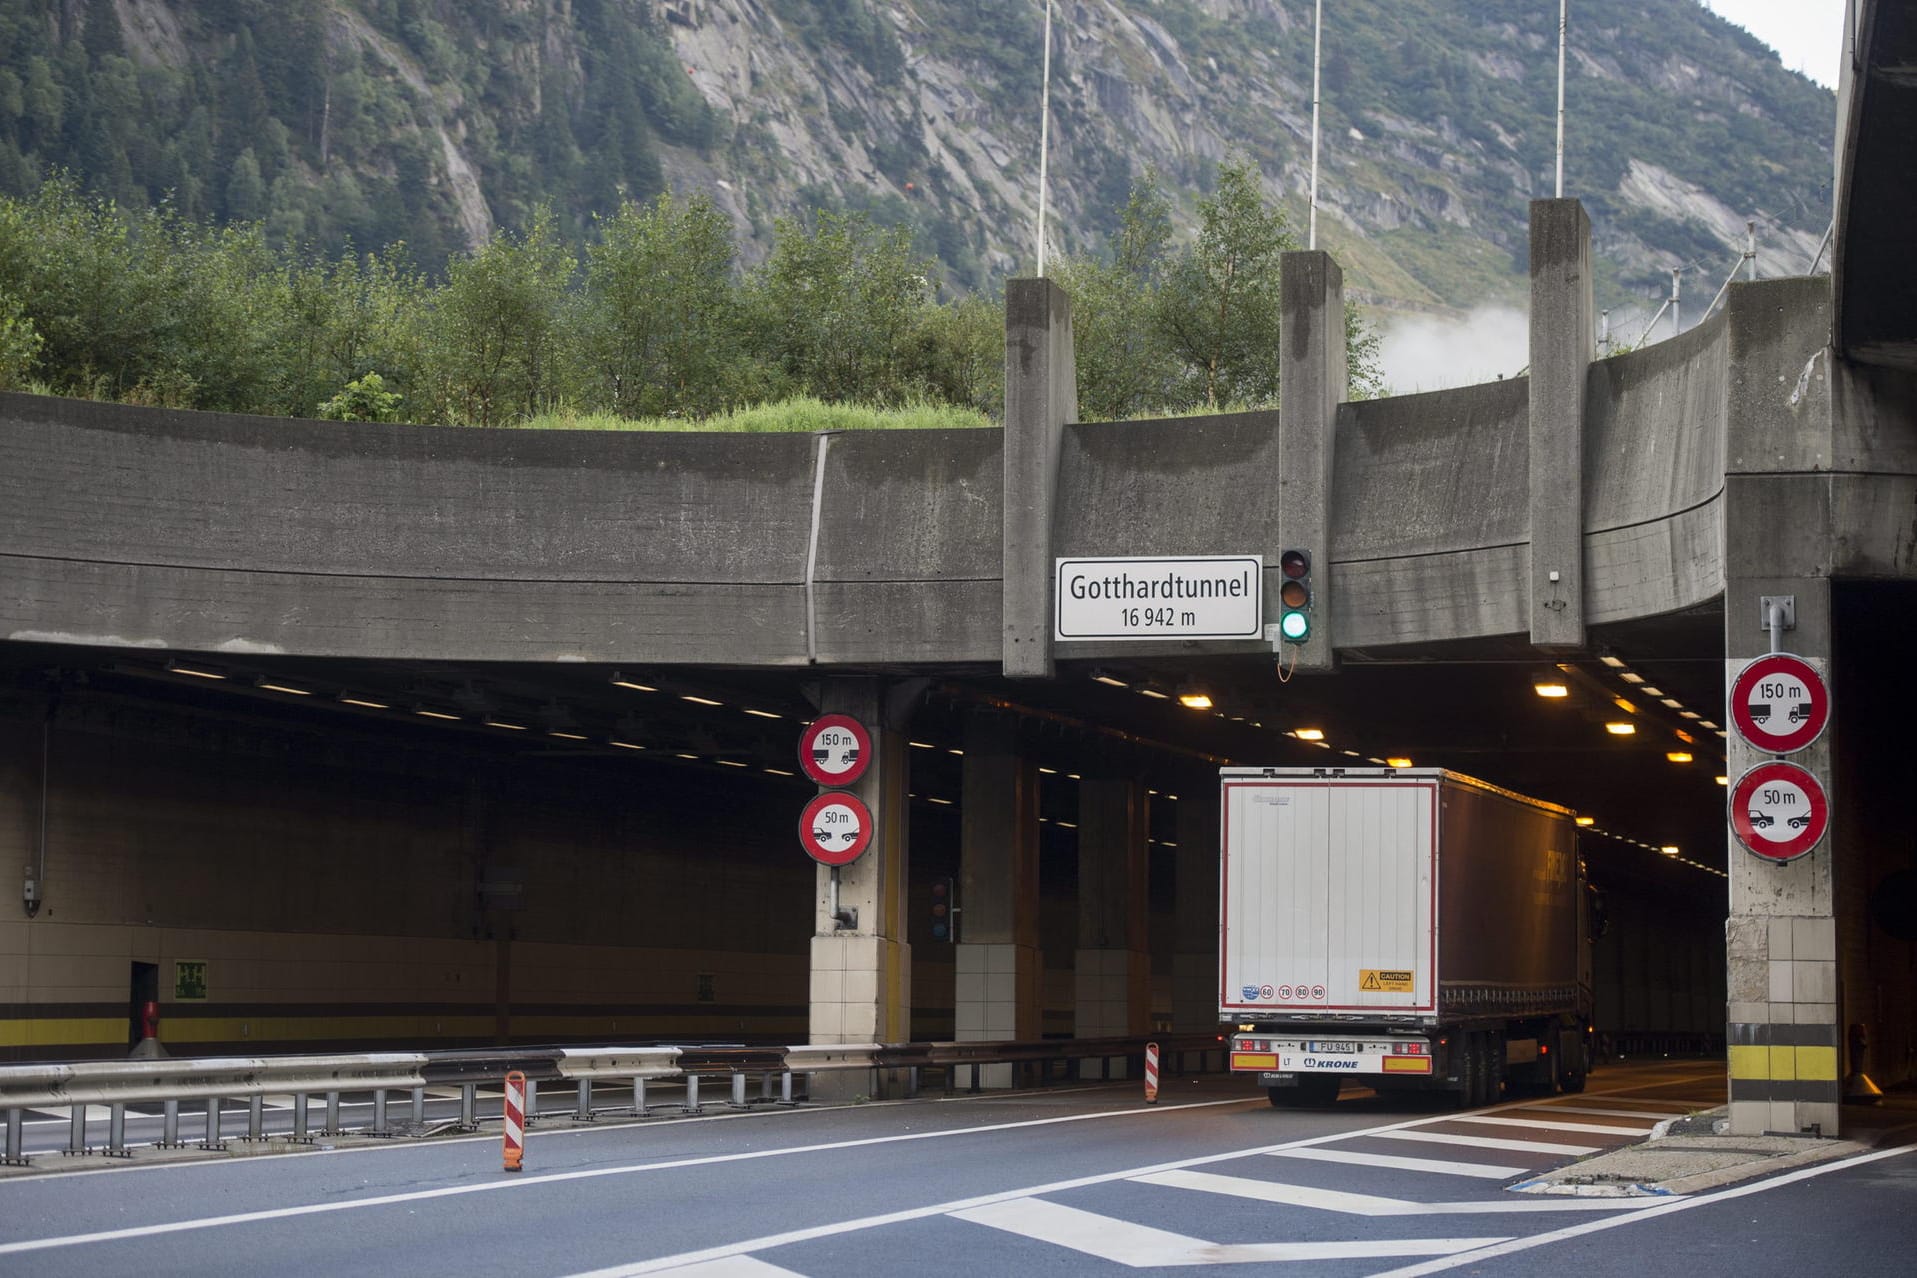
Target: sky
{"x":1807,"y":34}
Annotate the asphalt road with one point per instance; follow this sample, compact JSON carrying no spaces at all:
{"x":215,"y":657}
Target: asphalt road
{"x":1085,"y":1181}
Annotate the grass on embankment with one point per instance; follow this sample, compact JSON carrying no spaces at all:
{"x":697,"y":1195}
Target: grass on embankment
{"x":803,"y":414}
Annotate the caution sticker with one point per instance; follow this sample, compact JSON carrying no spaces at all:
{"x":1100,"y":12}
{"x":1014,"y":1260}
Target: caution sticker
{"x":1374,"y":980}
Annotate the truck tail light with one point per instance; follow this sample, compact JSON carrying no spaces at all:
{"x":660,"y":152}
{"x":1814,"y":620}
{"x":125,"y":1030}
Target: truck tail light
{"x":1410,"y":1049}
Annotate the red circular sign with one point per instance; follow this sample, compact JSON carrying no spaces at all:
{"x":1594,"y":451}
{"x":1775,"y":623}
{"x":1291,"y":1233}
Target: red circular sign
{"x":1778,"y":811}
{"x":1780,"y":703}
{"x":835,"y":827}
{"x":835,"y":749}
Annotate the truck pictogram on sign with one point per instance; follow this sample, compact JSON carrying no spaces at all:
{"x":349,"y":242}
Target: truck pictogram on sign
{"x":1779,"y":703}
{"x":1779,"y":811}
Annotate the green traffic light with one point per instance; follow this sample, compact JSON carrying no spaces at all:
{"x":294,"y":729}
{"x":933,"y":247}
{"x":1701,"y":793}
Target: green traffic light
{"x":1295,"y":626}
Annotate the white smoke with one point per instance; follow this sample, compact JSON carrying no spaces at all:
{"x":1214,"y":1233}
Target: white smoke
{"x":1431,"y":352}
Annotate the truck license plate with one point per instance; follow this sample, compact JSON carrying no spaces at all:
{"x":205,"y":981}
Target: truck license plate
{"x":1331,"y":1045}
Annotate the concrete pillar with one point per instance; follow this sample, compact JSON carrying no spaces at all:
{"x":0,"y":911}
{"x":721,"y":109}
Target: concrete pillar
{"x":1195,"y":908}
{"x":999,"y":987}
{"x":1781,"y":937}
{"x":1112,"y":970}
{"x":1041,"y":398}
{"x":1563,"y":336}
{"x":1312,"y":383}
{"x":862,"y":975}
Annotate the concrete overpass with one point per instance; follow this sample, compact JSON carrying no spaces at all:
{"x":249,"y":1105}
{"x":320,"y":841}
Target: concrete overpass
{"x":1634,"y":508}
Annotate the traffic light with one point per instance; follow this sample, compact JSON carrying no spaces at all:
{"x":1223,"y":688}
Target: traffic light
{"x":941,"y":909}
{"x":1294,"y":596}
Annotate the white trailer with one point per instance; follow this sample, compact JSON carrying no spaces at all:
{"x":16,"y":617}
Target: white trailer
{"x":1408,"y":928}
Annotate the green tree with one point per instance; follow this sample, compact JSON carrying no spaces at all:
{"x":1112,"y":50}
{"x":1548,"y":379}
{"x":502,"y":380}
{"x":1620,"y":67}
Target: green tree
{"x":495,"y":352}
{"x":1125,"y":368}
{"x":659,"y":319}
{"x":1219,"y":306}
{"x":835,"y":306}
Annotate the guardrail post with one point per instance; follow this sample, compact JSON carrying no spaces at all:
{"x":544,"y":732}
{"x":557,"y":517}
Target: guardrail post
{"x":639,"y":1095}
{"x":116,"y":1131}
{"x":214,"y":1138}
{"x":332,"y":1114}
{"x":738,"y":1091}
{"x":583,"y":1111}
{"x":170,"y":1126}
{"x":15,"y":1129}
{"x":532,"y":1100}
{"x":256,"y":1117}
{"x":468,"y":1105}
{"x":785,"y":1087}
{"x":419,"y":1107}
{"x":692,"y":1093}
{"x":77,"y":1130}
{"x":299,"y":1118}
{"x":912,"y":1081}
{"x":379,"y":1112}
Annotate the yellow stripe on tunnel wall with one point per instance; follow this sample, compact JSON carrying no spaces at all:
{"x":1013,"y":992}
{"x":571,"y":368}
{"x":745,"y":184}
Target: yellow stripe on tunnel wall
{"x":1815,"y":1064}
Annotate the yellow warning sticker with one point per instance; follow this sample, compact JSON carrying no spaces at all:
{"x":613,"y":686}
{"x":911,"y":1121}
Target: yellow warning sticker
{"x":1384,"y":980}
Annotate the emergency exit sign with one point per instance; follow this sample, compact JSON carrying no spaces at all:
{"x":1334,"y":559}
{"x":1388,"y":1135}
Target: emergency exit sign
{"x":1181,"y":597}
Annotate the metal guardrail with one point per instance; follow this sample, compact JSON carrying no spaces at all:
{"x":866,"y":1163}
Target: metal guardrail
{"x":116,"y":1084}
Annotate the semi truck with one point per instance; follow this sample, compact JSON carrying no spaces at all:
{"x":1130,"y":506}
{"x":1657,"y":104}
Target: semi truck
{"x":1402,"y":928}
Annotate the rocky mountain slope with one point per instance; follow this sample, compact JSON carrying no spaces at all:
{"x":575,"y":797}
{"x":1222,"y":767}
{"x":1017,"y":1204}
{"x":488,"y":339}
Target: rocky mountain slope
{"x":436,"y":121}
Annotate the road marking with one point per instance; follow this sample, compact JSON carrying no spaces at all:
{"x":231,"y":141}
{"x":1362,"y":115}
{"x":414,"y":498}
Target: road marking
{"x":1539,"y":1124}
{"x":1439,"y":1166}
{"x":1664,"y":1207}
{"x":1142,"y":1247}
{"x":1659,"y":1114}
{"x":594,"y":1173}
{"x":1491,"y":1142}
{"x":1267,"y":1191}
{"x":735,"y":1267}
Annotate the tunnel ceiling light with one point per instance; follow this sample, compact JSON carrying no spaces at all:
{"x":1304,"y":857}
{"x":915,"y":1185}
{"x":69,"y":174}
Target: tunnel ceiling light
{"x":1685,"y":737}
{"x":1689,"y":714}
{"x":1586,"y":821}
{"x":1630,"y":676}
{"x":1195,"y":699}
{"x":1073,"y":776}
{"x":566,"y":736}
{"x":1153,"y":693}
{"x":731,"y":763}
{"x":1551,"y":690}
{"x":1067,"y":825}
{"x":1620,"y":729}
{"x":267,"y":685}
{"x":1670,"y":849}
{"x":1309,"y":734}
{"x":1706,"y":723}
{"x":700,"y":701}
{"x":957,"y":751}
{"x":627,"y":745}
{"x":620,"y":681}
{"x":941,"y":802}
{"x":683,"y":755}
{"x":1678,"y":756}
{"x":1652,"y":692}
{"x":1172,"y":797}
{"x":1108,"y":679}
{"x":1050,"y":772}
{"x":1616,"y":663}
{"x":506,"y":724}
{"x":198,"y":672}
{"x":1624,"y":705}
{"x":428,"y":712}
{"x":1397,"y":761}
{"x":1673,"y":703}
{"x":365,"y":703}
{"x":763,"y":714}
{"x":1383,"y":763}
{"x":1722,"y":780}
{"x":922,"y":745}
{"x":779,"y":772}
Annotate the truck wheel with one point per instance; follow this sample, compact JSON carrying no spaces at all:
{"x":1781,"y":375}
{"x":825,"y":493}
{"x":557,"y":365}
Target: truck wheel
{"x":1493,"y":1068}
{"x":1284,"y":1097}
{"x":1576,"y":1067}
{"x":1319,"y":1091}
{"x":1470,"y":1069}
